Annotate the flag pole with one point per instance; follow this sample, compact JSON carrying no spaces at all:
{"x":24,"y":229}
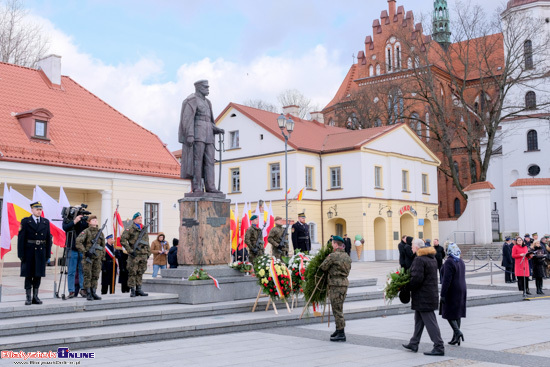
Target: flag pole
{"x":55,"y":295}
{"x":1,"y":276}
{"x":115,"y":228}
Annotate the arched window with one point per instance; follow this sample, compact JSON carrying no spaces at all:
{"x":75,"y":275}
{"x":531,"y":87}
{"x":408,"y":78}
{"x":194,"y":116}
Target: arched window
{"x":427,"y":126}
{"x":409,"y":63}
{"x":457,"y":207}
{"x":389,"y":61}
{"x":530,"y":100}
{"x":377,"y":69}
{"x":371,"y":70}
{"x":419,"y":129}
{"x":415,"y":124}
{"x":395,"y":106}
{"x":455,"y":166}
{"x":528,"y":54}
{"x":398,"y":56}
{"x":532,"y":141}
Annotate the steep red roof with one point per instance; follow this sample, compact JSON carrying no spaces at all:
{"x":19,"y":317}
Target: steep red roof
{"x":531,"y":182}
{"x":479,"y":186}
{"x":313,"y":136}
{"x":345,"y":88}
{"x":85,"y":131}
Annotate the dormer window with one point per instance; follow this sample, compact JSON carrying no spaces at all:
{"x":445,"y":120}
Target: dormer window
{"x":40,"y":129}
{"x":35,"y":123}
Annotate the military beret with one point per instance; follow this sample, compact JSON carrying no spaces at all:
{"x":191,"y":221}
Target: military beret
{"x":277,"y":218}
{"x":303,"y":215}
{"x":36,"y":205}
{"x":253,"y":217}
{"x":109,"y":236}
{"x":338,"y":239}
{"x":138,"y":214}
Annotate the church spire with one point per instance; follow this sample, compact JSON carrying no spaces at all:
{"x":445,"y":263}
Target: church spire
{"x":441,"y":31}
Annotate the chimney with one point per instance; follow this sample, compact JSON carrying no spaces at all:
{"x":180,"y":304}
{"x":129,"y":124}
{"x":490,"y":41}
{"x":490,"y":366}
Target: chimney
{"x":292,"y":110}
{"x":51,"y":66}
{"x":317,"y":116}
{"x":392,"y":5}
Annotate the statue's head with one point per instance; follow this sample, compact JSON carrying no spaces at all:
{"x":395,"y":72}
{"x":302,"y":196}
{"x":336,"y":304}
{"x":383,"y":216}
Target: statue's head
{"x":202,"y":87}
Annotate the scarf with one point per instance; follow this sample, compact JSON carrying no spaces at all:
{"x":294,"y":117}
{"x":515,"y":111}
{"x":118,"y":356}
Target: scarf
{"x":454,"y":251}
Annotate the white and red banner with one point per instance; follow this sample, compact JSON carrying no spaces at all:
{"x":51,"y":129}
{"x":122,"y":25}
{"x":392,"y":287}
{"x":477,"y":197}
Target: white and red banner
{"x":51,"y":210}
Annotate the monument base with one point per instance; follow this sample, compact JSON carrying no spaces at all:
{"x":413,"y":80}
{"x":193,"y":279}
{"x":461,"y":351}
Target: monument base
{"x":233,"y":286}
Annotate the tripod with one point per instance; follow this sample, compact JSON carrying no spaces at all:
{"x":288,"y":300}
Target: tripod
{"x":64,"y":268}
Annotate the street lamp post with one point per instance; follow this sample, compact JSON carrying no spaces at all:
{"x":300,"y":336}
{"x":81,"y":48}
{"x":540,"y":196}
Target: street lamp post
{"x":287,"y":124}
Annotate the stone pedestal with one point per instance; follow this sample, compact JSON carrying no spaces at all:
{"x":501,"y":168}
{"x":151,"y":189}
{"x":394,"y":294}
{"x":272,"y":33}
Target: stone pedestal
{"x":204,"y":230}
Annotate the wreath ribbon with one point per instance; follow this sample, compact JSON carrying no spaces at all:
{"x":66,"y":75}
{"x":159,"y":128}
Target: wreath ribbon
{"x":276,"y":279}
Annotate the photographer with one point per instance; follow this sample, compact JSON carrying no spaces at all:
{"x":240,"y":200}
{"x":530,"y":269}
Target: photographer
{"x":73,"y":228}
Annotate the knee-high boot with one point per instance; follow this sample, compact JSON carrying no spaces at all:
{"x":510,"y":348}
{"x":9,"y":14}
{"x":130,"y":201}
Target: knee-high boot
{"x":457,"y":334}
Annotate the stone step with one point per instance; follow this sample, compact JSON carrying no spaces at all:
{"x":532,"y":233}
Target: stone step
{"x":56,"y":306}
{"x":128,"y":315}
{"x":145,"y":331}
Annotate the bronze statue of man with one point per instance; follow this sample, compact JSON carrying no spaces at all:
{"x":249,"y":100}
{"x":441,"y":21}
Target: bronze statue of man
{"x":196,"y":133}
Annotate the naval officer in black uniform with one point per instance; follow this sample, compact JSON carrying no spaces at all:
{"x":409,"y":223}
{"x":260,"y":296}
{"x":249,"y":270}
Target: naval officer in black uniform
{"x":300,"y":234}
{"x":34,"y":247}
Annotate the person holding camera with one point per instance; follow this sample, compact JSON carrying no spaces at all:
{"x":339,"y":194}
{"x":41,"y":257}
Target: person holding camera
{"x":92,"y":258}
{"x":34,"y":246}
{"x":73,"y":228}
{"x":136,"y":242}
{"x":159,"y":248}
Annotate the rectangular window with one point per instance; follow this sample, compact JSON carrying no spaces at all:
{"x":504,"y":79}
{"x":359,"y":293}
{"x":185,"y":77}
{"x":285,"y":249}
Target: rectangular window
{"x":309,"y":177}
{"x":425,"y":184}
{"x":335,"y":178}
{"x":151,"y":210}
{"x":405,"y":180}
{"x":275,"y":176}
{"x":235,"y":180}
{"x":40,"y":129}
{"x":312,"y":234}
{"x":233,"y":139}
{"x":377,"y":177}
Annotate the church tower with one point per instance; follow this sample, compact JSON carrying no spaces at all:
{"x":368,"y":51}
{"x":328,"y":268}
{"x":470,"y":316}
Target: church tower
{"x":441,"y":31}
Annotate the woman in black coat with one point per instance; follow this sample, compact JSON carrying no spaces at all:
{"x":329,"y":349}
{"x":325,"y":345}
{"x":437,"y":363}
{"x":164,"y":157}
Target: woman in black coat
{"x":539,"y":265}
{"x":453,"y":292}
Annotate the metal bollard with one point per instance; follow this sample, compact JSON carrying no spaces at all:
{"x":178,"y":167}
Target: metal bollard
{"x":491,"y":268}
{"x":474,"y":258}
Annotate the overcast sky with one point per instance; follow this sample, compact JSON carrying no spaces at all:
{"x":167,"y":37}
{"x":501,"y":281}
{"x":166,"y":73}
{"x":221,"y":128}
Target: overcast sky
{"x":142,"y":56}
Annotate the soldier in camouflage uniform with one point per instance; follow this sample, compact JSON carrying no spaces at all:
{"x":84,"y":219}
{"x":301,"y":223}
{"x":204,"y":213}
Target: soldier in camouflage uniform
{"x":275,"y":237}
{"x":337,"y":265}
{"x":91,"y":269}
{"x":137,"y":260}
{"x":254,"y":235}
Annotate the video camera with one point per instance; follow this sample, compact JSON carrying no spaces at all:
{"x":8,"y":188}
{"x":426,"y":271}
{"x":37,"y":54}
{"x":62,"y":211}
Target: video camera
{"x":69,"y":213}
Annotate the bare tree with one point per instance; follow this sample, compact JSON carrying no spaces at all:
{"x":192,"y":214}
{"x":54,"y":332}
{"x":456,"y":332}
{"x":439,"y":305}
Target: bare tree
{"x":293,"y":97}
{"x":261,"y":105}
{"x":471,"y":87}
{"x":21,"y":42}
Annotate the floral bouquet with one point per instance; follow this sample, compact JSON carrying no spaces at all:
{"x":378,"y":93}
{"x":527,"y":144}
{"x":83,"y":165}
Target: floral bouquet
{"x":243,"y":267}
{"x":297,"y":265}
{"x":273,"y":277}
{"x":396,"y":282}
{"x":199,"y":274}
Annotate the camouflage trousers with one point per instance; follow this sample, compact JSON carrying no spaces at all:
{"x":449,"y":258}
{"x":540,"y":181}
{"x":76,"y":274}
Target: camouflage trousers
{"x":136,"y":267}
{"x":91,"y":271}
{"x":337,"y":296}
{"x":279,"y":253}
{"x":252,"y":257}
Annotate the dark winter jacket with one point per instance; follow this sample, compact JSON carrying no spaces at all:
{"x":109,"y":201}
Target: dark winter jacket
{"x":439,"y":255}
{"x":539,"y":262}
{"x":68,"y":226}
{"x":423,"y":285}
{"x":408,"y":252}
{"x":401,"y":248}
{"x":507,"y":259}
{"x":453,"y":289}
{"x":173,"y":257}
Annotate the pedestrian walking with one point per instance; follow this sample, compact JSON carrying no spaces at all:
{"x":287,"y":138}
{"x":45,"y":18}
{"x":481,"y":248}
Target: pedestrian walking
{"x":453,"y":292}
{"x":425,"y":299}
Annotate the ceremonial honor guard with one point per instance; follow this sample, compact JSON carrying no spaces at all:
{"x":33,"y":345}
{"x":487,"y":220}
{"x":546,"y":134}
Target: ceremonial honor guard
{"x":278,"y":248}
{"x":300,"y":234}
{"x":138,"y":253}
{"x":91,"y":258}
{"x":254,"y":240}
{"x":34,"y":246}
{"x":107,"y":266}
{"x":337,"y":266}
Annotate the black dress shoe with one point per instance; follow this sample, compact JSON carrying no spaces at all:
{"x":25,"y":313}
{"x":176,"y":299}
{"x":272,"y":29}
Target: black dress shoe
{"x":527,"y":292}
{"x":435,"y":352}
{"x":410,"y":347}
